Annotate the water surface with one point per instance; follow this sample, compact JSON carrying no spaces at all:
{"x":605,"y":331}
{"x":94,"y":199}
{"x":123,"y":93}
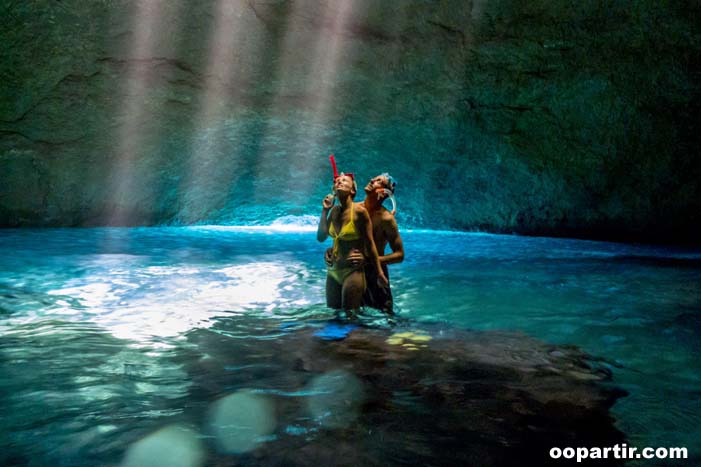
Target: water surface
{"x":97,"y":325}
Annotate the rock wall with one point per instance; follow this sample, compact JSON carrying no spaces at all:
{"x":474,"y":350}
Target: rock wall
{"x":538,"y":117}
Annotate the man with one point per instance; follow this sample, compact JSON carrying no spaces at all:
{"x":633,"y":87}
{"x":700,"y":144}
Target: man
{"x":385,"y":232}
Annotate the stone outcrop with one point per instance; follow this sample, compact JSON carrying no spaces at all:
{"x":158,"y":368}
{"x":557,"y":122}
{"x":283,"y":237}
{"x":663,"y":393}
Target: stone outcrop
{"x":538,"y":117}
{"x":429,"y":396}
{"x":433,"y":396}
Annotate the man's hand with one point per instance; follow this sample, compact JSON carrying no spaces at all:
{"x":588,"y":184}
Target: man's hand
{"x":356,"y":259}
{"x":381,"y":194}
{"x":327,"y":203}
{"x":382,"y":280}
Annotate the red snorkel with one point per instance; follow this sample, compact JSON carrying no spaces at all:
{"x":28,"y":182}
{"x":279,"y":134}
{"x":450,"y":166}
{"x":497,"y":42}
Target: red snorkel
{"x":333,"y":166}
{"x":335,"y":169}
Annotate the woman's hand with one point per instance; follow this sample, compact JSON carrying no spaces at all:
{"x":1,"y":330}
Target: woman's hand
{"x":328,"y":257}
{"x":327,"y":203}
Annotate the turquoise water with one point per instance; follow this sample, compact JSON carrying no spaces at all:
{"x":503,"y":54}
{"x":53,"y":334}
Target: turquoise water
{"x":96,"y":323}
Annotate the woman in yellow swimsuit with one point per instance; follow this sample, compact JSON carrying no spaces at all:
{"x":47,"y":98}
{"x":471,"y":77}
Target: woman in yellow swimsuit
{"x":350,"y":227}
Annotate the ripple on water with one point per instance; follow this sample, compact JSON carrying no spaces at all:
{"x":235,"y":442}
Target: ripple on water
{"x":100,"y":326}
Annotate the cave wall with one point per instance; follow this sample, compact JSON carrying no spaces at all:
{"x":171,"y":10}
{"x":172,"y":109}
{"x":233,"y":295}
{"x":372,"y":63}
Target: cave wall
{"x":537,"y":117}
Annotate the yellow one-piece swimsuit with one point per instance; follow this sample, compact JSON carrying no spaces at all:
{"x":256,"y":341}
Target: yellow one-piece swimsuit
{"x":348,"y":233}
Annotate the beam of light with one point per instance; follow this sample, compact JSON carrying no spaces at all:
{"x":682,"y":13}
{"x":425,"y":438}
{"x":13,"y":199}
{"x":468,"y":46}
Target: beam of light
{"x":208,"y":176}
{"x":312,"y":69}
{"x":128,"y":181}
{"x":326,"y":58}
{"x":206,"y":182}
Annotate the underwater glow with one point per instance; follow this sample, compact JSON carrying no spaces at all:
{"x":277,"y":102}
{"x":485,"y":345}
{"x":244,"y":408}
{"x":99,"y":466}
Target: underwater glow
{"x":241,"y":421}
{"x":174,"y":446}
{"x":335,"y":399}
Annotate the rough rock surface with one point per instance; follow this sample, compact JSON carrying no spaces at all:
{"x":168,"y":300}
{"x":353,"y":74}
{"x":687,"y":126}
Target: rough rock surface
{"x":429,"y":396}
{"x":433,"y":397}
{"x":541,"y":117}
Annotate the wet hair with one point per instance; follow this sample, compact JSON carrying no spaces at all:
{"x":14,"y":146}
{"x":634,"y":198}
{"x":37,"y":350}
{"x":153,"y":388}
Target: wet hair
{"x":391,"y":183}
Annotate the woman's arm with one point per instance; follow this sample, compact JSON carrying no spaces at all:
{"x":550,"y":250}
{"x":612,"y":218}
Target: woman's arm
{"x":322,"y":231}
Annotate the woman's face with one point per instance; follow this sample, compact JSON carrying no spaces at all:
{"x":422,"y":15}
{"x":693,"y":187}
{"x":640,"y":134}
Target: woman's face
{"x":343,"y":184}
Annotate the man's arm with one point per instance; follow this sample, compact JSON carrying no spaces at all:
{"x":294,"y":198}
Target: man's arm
{"x":366,"y":225}
{"x":394,"y":239}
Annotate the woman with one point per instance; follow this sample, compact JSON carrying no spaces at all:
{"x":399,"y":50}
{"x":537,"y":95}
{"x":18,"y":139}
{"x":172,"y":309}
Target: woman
{"x":350,"y":227}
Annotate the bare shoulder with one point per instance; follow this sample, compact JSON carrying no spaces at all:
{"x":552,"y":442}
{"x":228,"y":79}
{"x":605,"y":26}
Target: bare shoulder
{"x":334,"y":211}
{"x":362,"y":214}
{"x":389,"y":224}
{"x":387,"y":216}
{"x":388,"y":219}
{"x":359,"y":208}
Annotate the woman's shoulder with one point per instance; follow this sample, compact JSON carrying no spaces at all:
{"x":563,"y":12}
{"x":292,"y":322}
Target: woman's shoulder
{"x":361,"y":210}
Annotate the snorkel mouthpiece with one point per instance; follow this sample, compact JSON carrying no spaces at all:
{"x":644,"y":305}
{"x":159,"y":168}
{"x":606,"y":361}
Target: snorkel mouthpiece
{"x":390,"y":195}
{"x":333,"y":166}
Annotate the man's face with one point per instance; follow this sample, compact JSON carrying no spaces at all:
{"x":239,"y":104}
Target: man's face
{"x":376,"y":183}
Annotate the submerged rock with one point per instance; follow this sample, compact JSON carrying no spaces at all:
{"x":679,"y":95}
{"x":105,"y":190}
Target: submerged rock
{"x":427,"y":397}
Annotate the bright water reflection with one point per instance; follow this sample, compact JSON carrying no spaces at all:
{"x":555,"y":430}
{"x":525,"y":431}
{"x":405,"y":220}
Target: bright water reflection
{"x":97,"y":323}
{"x":143,"y":284}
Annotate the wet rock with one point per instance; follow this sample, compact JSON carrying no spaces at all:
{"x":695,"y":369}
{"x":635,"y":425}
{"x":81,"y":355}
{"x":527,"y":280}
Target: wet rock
{"x":462,"y":398}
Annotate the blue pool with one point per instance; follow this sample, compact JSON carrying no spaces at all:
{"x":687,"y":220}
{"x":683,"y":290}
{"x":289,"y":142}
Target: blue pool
{"x":99,"y":327}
